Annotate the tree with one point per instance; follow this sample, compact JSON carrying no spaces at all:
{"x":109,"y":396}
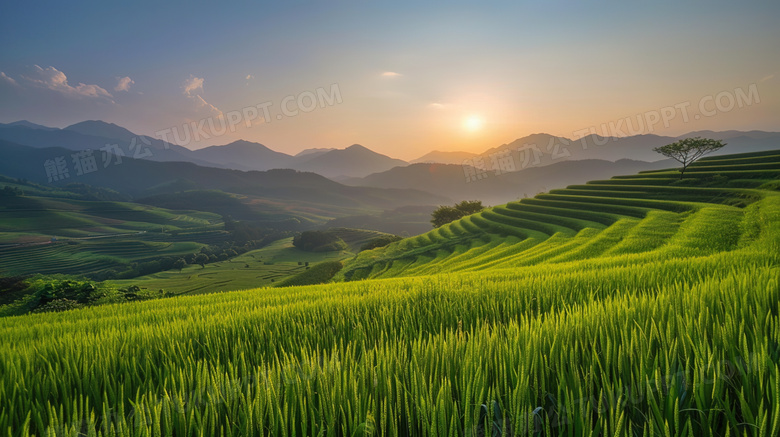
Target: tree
{"x":688,"y":150}
{"x":180,"y":264}
{"x":446,"y":214}
{"x":319,"y":241}
{"x":201,"y":259}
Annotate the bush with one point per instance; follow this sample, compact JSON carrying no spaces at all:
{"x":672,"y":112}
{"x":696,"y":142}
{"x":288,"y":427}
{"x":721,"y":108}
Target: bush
{"x":318,"y":274}
{"x":447,"y":214}
{"x":380,"y":242}
{"x":318,"y":241}
{"x":58,"y":305}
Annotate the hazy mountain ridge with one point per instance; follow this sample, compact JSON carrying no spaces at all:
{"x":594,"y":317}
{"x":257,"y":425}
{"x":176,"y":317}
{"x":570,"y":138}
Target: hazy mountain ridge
{"x":450,"y":180}
{"x":139,"y":177}
{"x":356,"y":161}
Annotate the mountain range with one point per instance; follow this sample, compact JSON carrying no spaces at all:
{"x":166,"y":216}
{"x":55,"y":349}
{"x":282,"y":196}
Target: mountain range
{"x":353,"y":161}
{"x":525,"y":166}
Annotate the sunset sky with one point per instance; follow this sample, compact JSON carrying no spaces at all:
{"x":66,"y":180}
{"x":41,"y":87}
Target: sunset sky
{"x":412,"y":76}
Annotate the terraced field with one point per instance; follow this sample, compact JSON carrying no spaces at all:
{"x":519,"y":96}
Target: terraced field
{"x":92,"y":236}
{"x":257,"y":268}
{"x":646,"y":215}
{"x":37,"y":219}
{"x":637,"y":306}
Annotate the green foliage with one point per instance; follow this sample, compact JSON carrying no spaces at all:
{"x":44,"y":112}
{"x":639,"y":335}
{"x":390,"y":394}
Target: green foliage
{"x":60,"y":293}
{"x":380,"y":242}
{"x":319,"y":241}
{"x":201,"y":259}
{"x":447,"y":214}
{"x":688,"y":150}
{"x":318,"y":274}
{"x":9,"y":191}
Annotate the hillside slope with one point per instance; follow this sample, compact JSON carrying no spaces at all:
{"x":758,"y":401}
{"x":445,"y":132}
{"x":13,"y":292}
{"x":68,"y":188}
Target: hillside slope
{"x":651,"y":214}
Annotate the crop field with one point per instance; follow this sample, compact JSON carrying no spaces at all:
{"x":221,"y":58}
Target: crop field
{"x":91,"y":236}
{"x":647,"y":308}
{"x":37,"y":219}
{"x":256,"y":268}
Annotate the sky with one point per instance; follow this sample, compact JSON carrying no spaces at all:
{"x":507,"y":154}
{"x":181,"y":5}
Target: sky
{"x":401,"y":78}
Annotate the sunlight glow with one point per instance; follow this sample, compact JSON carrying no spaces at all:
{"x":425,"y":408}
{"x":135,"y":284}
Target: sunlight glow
{"x":473,"y":123}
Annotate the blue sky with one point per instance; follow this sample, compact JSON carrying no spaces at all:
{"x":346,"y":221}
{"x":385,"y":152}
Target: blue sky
{"x":411,"y":77}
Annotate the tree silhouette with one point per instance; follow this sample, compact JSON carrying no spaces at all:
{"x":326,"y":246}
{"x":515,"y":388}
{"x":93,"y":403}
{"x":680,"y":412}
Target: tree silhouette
{"x":688,"y":150}
{"x":446,"y":214}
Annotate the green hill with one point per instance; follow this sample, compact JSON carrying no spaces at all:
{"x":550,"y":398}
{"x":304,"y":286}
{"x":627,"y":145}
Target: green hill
{"x":640,"y":305}
{"x":648,"y":215}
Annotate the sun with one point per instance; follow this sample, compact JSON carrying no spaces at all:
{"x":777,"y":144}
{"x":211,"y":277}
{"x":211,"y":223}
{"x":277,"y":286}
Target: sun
{"x":473,"y":123}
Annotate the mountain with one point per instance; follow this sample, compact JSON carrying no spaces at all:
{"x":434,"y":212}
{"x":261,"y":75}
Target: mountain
{"x":244,"y":155}
{"x":544,"y":149}
{"x":729,"y":134}
{"x":97,"y":128}
{"x":28,"y":124}
{"x":451,"y":180}
{"x":354,"y":161}
{"x":87,"y":136}
{"x":439,"y":157}
{"x":140,"y":177}
{"x":315,"y":151}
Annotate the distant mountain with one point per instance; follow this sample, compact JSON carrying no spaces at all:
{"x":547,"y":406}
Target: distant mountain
{"x":537,"y":150}
{"x":545,"y":149}
{"x":315,"y":151}
{"x":97,"y":128}
{"x":354,"y":161}
{"x":28,"y":124}
{"x":438,"y":157}
{"x":244,"y":155}
{"x":451,"y":180}
{"x":79,"y":137}
{"x":729,"y":134}
{"x":139,"y":178}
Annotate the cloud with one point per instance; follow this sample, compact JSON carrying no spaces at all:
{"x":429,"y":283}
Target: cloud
{"x":123,"y":83}
{"x":8,"y":79}
{"x":55,"y":80}
{"x":770,"y":77}
{"x":249,"y":77}
{"x":391,"y":74}
{"x":193,"y":87}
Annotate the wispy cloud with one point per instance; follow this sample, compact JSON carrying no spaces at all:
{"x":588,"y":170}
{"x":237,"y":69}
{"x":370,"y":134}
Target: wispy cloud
{"x":249,"y":77}
{"x":55,"y":80}
{"x":123,"y":84}
{"x":193,"y":87}
{"x":770,"y":77}
{"x":391,"y":74}
{"x":8,"y":79}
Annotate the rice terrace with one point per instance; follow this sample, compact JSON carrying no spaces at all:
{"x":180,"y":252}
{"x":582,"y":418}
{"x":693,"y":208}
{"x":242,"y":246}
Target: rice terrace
{"x":164,"y":273}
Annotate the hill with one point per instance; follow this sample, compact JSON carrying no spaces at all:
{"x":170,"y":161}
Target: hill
{"x":642,"y":215}
{"x":451,"y":180}
{"x":354,"y":161}
{"x":637,"y":305}
{"x":138,"y":177}
{"x":244,"y":155}
{"x":438,"y":157}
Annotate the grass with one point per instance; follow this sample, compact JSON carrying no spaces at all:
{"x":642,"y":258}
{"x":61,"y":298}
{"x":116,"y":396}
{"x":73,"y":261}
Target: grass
{"x":666,"y":323}
{"x":257,"y":268}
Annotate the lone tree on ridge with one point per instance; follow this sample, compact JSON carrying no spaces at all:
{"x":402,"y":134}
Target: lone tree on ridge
{"x":688,"y":150}
{"x":447,"y":214}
